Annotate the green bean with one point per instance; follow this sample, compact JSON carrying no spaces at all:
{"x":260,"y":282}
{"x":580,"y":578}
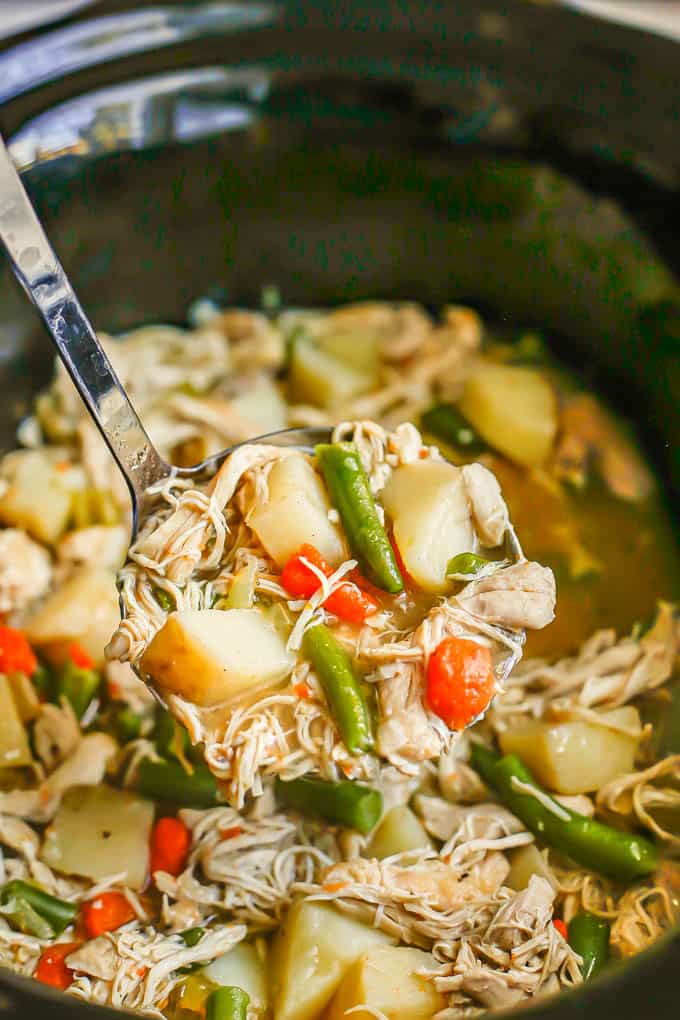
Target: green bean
{"x":351,"y":495}
{"x":24,"y":918}
{"x":43,"y":681}
{"x":345,"y":803}
{"x":77,"y":685}
{"x":589,"y":937}
{"x":341,"y":687}
{"x":192,"y":936}
{"x":128,"y":725}
{"x":164,"y":599}
{"x":171,"y":739}
{"x":168,"y":781}
{"x":227,"y":1003}
{"x":57,"y":913}
{"x":466,"y":563}
{"x":616,"y":854}
{"x":446,"y":422}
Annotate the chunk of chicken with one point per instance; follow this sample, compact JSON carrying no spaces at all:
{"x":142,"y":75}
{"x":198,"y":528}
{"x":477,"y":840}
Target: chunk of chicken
{"x":522,"y":595}
{"x":25,"y":570}
{"x":405,"y":730}
{"x":175,"y":546}
{"x":18,"y":836}
{"x":531,"y":908}
{"x":99,"y":545}
{"x":434,"y":882}
{"x":97,"y":958}
{"x":481,"y":821}
{"x":488,"y":507}
{"x":85,"y":767}
{"x":590,"y":432}
{"x":56,"y":733}
{"x":490,"y":988}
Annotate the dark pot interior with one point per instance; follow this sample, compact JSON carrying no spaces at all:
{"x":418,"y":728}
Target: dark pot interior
{"x":518,"y":157}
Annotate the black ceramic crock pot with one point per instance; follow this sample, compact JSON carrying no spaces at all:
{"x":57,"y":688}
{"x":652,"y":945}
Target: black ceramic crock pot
{"x":515,"y":155}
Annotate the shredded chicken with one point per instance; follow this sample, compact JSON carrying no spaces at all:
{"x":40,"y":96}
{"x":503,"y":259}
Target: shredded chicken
{"x":25,"y":570}
{"x":522,"y":595}
{"x":85,"y":766}
{"x":639,"y":795}
{"x":605,"y":673}
{"x":99,"y":545}
{"x":588,"y":432}
{"x":56,"y":733}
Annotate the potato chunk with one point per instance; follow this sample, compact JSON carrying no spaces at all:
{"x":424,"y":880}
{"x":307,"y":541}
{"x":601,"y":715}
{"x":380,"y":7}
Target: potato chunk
{"x":429,"y":509}
{"x":295,"y":513}
{"x":37,"y":498}
{"x":358,"y":348}
{"x":575,"y":757}
{"x":99,"y":831}
{"x":318,"y":378}
{"x":312,"y":951}
{"x":245,"y":967}
{"x":262,"y":405}
{"x":14,"y":748}
{"x":210,"y":656}
{"x":525,"y":862}
{"x":399,"y":830}
{"x":384,"y":981}
{"x":514,"y":409}
{"x":84,"y":609}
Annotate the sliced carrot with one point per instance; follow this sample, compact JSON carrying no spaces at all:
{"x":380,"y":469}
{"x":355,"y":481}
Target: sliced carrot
{"x":460,"y":681}
{"x":170,"y":845}
{"x":51,"y":968}
{"x":234,"y":830}
{"x":303,"y":691}
{"x":79,"y":657}
{"x":105,"y":912}
{"x":561,"y":927}
{"x":348,"y":601}
{"x":16,"y":655}
{"x":334,"y":887}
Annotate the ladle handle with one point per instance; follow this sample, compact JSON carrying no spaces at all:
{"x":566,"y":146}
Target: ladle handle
{"x":43,"y":278}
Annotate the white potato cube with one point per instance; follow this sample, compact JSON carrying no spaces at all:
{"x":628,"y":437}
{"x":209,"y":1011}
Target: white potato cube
{"x":37,"y":497}
{"x":14,"y":746}
{"x":84,"y":609}
{"x":526,"y":861}
{"x":513,"y":408}
{"x":210,"y":656}
{"x":400,"y":830}
{"x":245,"y":967}
{"x":318,"y":378}
{"x":576,"y":757}
{"x":262,"y":405}
{"x":385,"y":983}
{"x":296,"y":513}
{"x":99,"y":831}
{"x":311,"y":953}
{"x":428,"y":505}
{"x":359,"y":348}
